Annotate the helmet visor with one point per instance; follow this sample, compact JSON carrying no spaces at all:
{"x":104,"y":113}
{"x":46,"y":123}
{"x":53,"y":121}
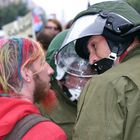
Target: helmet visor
{"x":68,"y":61}
{"x":85,"y":26}
{"x":67,"y":57}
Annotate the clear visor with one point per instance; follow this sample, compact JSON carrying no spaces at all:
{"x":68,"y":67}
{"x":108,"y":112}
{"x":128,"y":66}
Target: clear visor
{"x":85,"y":26}
{"x":68,"y":61}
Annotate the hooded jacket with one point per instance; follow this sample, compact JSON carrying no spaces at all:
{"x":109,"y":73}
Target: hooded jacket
{"x":12,"y":110}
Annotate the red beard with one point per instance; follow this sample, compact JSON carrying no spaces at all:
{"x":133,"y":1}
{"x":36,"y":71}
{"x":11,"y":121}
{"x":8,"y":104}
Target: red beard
{"x":43,"y":95}
{"x":50,"y":101}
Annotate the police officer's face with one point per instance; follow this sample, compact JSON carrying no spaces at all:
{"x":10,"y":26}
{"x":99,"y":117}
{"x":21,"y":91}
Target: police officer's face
{"x":98,"y":48}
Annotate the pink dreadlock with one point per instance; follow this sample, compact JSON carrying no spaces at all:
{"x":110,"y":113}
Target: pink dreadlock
{"x":14,"y":54}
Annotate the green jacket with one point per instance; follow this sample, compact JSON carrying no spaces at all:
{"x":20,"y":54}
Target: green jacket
{"x":109,"y":106}
{"x":65,"y":113}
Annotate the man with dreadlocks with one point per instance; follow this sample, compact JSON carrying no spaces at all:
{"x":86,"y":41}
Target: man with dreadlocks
{"x":24,"y":80}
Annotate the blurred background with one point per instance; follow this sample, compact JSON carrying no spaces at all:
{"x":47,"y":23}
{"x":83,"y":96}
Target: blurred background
{"x":63,"y":10}
{"x":18,"y":15}
{"x":12,"y":12}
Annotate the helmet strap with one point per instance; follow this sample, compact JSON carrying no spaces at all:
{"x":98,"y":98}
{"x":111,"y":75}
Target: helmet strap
{"x":103,"y":65}
{"x":106,"y":63}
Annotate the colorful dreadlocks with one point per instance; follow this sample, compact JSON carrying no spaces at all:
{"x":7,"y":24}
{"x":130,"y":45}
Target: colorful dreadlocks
{"x":14,"y":54}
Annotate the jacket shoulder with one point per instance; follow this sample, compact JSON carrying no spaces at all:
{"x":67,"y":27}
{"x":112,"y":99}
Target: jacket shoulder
{"x":45,"y":130}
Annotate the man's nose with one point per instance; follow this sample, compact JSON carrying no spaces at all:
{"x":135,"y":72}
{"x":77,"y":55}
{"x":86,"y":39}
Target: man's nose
{"x":50,"y":69}
{"x":93,"y":58}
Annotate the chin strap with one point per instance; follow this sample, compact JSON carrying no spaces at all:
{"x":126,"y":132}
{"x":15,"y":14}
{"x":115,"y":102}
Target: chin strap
{"x":106,"y":63}
{"x":103,"y":65}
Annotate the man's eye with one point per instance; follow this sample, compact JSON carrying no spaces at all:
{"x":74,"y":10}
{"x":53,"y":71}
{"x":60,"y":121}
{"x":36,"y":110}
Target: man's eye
{"x":94,"y":46}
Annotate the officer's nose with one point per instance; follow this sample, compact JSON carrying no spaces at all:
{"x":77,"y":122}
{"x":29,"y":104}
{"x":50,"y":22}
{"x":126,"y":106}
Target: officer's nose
{"x":93,"y":58}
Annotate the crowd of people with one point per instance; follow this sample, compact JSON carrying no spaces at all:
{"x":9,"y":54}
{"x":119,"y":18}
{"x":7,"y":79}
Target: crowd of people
{"x":77,"y":83}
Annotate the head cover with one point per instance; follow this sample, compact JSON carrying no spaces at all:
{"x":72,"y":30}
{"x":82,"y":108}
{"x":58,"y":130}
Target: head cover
{"x":115,"y":20}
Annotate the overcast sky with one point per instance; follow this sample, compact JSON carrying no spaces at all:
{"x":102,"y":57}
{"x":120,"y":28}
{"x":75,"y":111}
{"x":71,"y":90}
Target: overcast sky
{"x":64,"y":9}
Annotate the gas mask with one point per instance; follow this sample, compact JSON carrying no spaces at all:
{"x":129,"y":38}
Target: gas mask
{"x":72,"y":73}
{"x":73,"y":85}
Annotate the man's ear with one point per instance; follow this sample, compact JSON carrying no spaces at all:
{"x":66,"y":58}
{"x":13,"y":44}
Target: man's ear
{"x":26,"y":74}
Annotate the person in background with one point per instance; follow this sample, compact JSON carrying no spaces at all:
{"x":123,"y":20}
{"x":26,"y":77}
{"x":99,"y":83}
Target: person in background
{"x":53,"y":26}
{"x":45,"y":38}
{"x":109,"y":38}
{"x":25,"y":80}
